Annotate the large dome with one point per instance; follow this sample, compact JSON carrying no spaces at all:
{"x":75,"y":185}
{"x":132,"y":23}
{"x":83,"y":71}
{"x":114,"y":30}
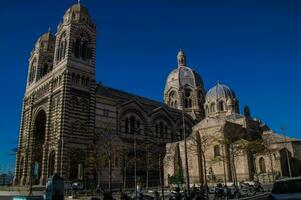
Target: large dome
{"x":220,"y":91}
{"x":183,"y":75}
{"x":184,"y":89}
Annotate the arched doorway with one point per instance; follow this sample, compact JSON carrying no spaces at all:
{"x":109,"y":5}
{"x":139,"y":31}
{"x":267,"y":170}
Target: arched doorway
{"x":38,"y":140}
{"x":51,"y":164}
{"x":285,"y":160}
{"x":262,"y":168}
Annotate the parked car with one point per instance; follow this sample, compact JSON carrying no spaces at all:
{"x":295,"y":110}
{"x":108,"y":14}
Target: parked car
{"x":287,"y":188}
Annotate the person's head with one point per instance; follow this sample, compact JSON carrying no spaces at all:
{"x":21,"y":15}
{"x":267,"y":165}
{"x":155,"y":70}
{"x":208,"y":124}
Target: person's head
{"x":177,"y":189}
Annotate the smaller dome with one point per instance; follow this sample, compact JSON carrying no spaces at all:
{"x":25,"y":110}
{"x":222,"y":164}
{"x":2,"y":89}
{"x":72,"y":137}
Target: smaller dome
{"x":220,"y":91}
{"x":45,"y":42}
{"x":46,"y":37}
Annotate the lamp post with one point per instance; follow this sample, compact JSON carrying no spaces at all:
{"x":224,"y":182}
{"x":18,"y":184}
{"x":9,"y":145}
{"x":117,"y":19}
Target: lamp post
{"x":135,"y":155}
{"x":185,"y":144}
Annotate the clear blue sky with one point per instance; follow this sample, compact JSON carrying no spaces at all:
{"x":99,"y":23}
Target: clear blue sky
{"x":252,"y":46}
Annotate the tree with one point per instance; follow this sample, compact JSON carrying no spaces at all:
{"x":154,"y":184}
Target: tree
{"x":107,"y":146}
{"x":127,"y":161}
{"x":235,"y":149}
{"x":152,"y":148}
{"x":200,"y":142}
{"x":178,"y":177}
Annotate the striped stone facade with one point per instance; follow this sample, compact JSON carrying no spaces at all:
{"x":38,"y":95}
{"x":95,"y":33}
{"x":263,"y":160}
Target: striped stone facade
{"x":64,"y":109}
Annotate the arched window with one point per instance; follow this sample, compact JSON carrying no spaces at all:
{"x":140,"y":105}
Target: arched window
{"x":32,"y":72}
{"x":212,"y":107}
{"x":84,"y":50}
{"x":73,"y":79}
{"x":190,"y":103}
{"x":132,"y":124}
{"x":138,"y":126}
{"x":172,"y":104}
{"x":216,"y":151}
{"x":207,"y":109}
{"x":188,"y":99}
{"x":77,"y":48}
{"x":221,"y":106}
{"x":262,"y":168}
{"x":186,"y":103}
{"x":61,"y":51}
{"x":46,"y":68}
{"x":126,"y":125}
{"x":77,"y":79}
{"x":172,"y":99}
{"x":161,"y":129}
{"x":81,"y":49}
{"x":83,"y":80}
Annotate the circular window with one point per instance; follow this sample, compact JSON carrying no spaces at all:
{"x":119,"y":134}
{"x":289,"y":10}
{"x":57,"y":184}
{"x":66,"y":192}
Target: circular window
{"x":187,"y":93}
{"x":173,"y":95}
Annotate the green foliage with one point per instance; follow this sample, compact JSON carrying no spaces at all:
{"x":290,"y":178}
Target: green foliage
{"x":256,"y":146}
{"x":140,"y":181}
{"x":178,"y":178}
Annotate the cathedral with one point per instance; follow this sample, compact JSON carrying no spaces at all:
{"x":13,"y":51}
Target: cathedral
{"x":86,"y":131}
{"x":89,"y":132}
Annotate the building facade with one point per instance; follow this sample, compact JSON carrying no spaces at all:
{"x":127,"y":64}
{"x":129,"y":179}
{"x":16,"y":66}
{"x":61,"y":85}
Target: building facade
{"x":229,"y":147}
{"x":67,"y":116}
{"x":89,"y":132}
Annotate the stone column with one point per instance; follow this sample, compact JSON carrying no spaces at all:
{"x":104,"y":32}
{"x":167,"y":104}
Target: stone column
{"x":27,"y":157}
{"x":89,"y":168}
{"x":64,"y":116}
{"x":18,"y":175}
{"x":43,"y":178}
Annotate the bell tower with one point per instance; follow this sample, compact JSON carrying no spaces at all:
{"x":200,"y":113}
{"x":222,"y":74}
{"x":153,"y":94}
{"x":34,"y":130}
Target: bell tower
{"x":74,"y":56}
{"x":57,"y":124}
{"x":41,"y":58}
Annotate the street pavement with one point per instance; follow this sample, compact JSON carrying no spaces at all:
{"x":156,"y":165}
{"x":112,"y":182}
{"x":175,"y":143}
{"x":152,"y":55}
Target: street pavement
{"x":258,"y":197}
{"x":6,"y":197}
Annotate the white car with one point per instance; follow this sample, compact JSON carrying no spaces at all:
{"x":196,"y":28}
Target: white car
{"x":287,"y":188}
